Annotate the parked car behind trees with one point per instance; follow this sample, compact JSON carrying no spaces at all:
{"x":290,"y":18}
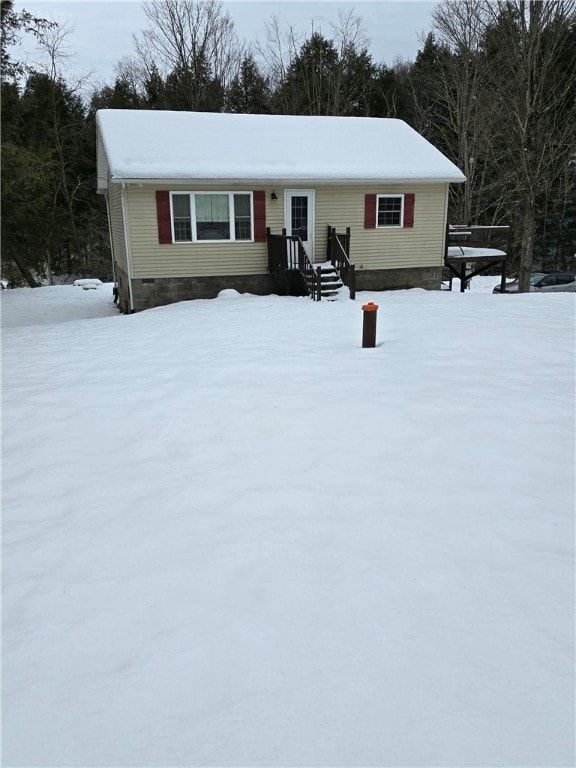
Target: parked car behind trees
{"x":544,"y":282}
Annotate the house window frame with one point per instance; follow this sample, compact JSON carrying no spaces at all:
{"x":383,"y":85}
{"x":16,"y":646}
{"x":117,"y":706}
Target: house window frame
{"x":231,"y":210}
{"x":400,"y":225}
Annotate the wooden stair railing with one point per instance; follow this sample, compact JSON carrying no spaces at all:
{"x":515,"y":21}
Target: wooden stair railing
{"x":287,"y":253}
{"x":339,"y":256}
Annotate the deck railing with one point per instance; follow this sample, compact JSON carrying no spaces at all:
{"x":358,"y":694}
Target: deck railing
{"x":493,"y":237}
{"x":338,"y":253}
{"x":287,"y":253}
{"x":277,"y":260}
{"x":479,"y":236}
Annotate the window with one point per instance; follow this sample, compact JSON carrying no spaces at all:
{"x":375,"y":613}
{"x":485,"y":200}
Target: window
{"x":547,"y":281}
{"x":242,"y":217}
{"x":211,"y":216}
{"x":299,"y":215}
{"x":181,"y":217}
{"x":389,"y":210}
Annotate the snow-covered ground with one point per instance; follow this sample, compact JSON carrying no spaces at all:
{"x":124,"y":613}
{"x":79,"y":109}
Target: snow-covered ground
{"x":233,"y":537}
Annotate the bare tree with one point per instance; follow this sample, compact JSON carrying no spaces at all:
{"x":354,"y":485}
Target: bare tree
{"x":53,"y":58}
{"x":460,"y":27}
{"x":537,"y":104}
{"x":279,"y":50}
{"x":134,"y":73}
{"x":353,"y":78}
{"x":195,"y":39}
{"x":497,"y":93}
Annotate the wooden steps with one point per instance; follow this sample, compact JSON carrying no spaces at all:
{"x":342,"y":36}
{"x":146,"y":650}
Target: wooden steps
{"x":330,"y":281}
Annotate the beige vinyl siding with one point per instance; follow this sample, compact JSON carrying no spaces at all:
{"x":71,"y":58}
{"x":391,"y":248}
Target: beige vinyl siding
{"x":342,"y":206}
{"x":150,"y":259}
{"x":117,"y":225}
{"x":101,"y":164}
{"x":385,"y":248}
{"x":339,"y":206}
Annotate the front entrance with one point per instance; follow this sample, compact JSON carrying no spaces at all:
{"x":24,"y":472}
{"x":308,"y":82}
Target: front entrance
{"x":299,"y":217}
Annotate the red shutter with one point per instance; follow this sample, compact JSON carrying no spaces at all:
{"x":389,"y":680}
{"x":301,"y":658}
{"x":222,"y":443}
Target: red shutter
{"x":409,"y":210}
{"x":163,"y":213}
{"x":259,"y":216}
{"x":369,"y":211}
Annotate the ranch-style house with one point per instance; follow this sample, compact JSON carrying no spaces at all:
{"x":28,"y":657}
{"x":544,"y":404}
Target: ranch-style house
{"x":200,"y":202}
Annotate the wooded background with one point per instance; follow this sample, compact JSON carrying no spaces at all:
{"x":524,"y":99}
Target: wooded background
{"x":493,"y":86}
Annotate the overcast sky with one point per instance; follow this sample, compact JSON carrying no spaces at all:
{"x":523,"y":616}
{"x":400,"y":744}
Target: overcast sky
{"x":103,"y":28}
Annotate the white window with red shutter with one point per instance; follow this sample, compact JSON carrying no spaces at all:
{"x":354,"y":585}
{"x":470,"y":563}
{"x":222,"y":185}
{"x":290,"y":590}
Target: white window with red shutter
{"x":389,"y":211}
{"x":211,"y":216}
{"x":190,"y":217}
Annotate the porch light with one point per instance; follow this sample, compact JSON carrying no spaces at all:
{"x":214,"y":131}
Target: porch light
{"x":274,"y":196}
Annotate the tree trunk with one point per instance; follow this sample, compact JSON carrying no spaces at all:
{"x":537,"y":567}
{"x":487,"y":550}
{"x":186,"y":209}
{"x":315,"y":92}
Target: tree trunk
{"x":25,"y":272}
{"x":48,"y":268}
{"x":528,"y":228}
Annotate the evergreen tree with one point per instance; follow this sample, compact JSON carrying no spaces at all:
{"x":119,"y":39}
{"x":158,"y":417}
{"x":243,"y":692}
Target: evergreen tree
{"x":323,"y":79}
{"x":13,"y":26}
{"x":155,"y":90}
{"x":121,"y":95}
{"x":53,"y":123}
{"x":308,"y":87}
{"x":249,"y":92}
{"x":355,"y":82}
{"x":390,"y":92}
{"x":192,"y":87}
{"x":24,"y":167}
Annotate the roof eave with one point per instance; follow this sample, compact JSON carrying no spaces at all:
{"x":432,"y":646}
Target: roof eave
{"x":164,"y":181}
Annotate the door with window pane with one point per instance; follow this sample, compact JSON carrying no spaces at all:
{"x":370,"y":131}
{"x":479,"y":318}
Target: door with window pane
{"x":299,"y":216}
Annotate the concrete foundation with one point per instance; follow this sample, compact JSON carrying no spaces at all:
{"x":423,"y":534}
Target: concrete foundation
{"x":391,"y":279}
{"x":156,"y":292}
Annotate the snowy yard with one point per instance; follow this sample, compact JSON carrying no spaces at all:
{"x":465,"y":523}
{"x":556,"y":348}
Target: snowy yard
{"x":233,"y":537}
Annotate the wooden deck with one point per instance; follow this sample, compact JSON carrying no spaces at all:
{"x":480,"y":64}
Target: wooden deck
{"x":470,"y":251}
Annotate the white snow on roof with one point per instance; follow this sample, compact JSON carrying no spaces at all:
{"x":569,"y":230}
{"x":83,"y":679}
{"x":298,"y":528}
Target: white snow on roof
{"x":154,"y":145}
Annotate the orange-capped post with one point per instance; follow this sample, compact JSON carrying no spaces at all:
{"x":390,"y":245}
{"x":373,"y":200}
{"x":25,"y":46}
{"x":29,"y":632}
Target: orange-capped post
{"x":370,"y":311}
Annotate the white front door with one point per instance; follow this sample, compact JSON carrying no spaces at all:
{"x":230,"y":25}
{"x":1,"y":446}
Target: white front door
{"x":299,"y":216}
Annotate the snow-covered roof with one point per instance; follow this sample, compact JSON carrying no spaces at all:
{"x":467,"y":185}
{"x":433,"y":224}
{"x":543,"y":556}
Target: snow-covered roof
{"x":150,"y":145}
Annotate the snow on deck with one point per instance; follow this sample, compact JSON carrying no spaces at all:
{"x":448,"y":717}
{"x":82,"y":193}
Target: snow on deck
{"x":456,"y":251}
